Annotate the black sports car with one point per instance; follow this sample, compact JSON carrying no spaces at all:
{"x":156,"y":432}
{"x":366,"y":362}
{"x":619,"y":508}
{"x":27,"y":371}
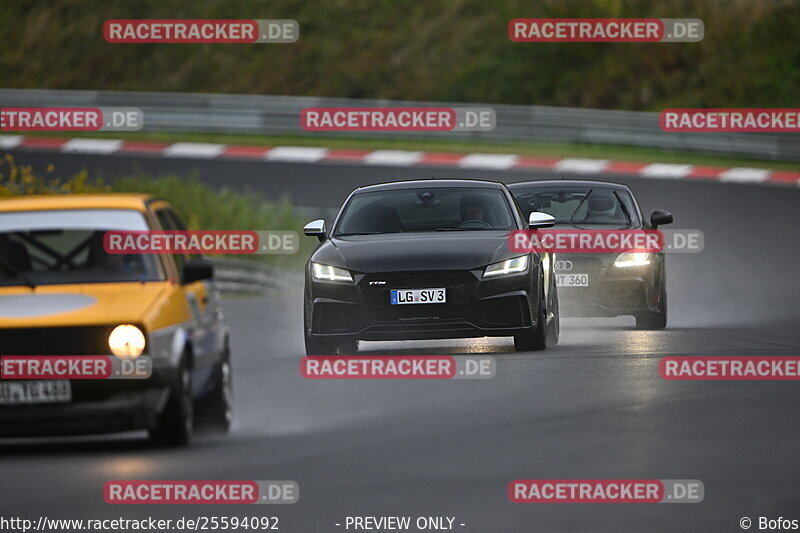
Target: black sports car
{"x":602,"y":284}
{"x":427,"y":259}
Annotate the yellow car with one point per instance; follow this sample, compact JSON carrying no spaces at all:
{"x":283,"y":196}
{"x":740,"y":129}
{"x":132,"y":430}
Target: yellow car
{"x":61,"y":294}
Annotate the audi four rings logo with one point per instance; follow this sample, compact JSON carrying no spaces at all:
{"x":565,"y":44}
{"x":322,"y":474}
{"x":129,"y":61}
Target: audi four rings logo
{"x":377,"y":283}
{"x":562,"y":265}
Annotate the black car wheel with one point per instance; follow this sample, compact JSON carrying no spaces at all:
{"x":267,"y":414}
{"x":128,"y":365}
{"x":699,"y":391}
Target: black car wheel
{"x":330,"y":346}
{"x":176,"y":423}
{"x":536,"y":338}
{"x":654,"y":320}
{"x":217,"y":408}
{"x":554,"y":331}
{"x":347,"y":346}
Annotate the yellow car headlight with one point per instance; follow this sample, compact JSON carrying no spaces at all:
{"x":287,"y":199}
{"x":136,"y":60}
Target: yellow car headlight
{"x":632,"y":259}
{"x":126,"y":340}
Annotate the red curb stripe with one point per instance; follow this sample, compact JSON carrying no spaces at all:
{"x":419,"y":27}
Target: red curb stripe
{"x":428,"y":158}
{"x":440,"y":158}
{"x":535,"y":162}
{"x":143,"y":147}
{"x":624,"y":168}
{"x":706,"y":172}
{"x":784,"y":176}
{"x":346,"y":155}
{"x":43,"y":142}
{"x":249,"y":152}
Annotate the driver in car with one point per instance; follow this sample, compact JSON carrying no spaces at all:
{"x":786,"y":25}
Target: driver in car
{"x":472,"y":210}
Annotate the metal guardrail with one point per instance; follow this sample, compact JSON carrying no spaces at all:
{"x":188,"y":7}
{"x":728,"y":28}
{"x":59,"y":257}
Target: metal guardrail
{"x":242,"y":276}
{"x":251,"y":114}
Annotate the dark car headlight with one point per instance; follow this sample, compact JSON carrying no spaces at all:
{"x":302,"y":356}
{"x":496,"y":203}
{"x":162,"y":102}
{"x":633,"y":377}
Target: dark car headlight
{"x":509,"y":266}
{"x":323,"y":273}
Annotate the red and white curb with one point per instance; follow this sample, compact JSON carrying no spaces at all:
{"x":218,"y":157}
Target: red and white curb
{"x":401,"y":158}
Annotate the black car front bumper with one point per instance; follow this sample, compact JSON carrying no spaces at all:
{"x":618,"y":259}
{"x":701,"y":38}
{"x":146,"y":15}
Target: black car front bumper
{"x":475,"y":307}
{"x":612,"y":291}
{"x":97,"y":406}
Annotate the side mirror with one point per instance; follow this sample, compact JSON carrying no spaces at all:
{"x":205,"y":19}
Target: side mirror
{"x":659,"y":217}
{"x":197,"y":270}
{"x":315,"y":229}
{"x":538,"y":220}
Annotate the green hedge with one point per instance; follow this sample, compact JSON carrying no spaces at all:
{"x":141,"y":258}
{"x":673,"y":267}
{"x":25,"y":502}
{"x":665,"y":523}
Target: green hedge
{"x":421,"y":50}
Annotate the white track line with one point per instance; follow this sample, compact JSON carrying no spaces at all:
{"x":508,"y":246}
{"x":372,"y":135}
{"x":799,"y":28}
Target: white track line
{"x":10,"y":141}
{"x":301,"y":154}
{"x":489,"y":161}
{"x":745,"y":175}
{"x":201,"y":150}
{"x":91,"y":146}
{"x":401,"y":158}
{"x":666,"y":170}
{"x":582,"y":166}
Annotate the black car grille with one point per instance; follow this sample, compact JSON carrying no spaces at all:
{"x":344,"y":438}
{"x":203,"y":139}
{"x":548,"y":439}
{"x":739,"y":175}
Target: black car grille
{"x":460,"y":286}
{"x":84,"y":340}
{"x":581,"y":264}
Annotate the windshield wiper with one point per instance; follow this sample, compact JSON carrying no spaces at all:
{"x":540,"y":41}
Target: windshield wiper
{"x":16,"y":273}
{"x":463,"y":229}
{"x":575,"y":212}
{"x":624,"y":209}
{"x":362,"y":233}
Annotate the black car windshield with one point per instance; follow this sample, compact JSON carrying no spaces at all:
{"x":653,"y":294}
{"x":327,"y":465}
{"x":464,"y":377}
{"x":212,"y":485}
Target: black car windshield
{"x":426,"y":209}
{"x":66,"y":246}
{"x":580,"y":205}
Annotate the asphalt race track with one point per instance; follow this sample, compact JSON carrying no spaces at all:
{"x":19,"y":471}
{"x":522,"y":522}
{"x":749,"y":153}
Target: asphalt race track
{"x":592,"y":407}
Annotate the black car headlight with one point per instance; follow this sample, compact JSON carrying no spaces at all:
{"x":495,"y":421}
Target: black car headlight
{"x":509,"y":266}
{"x":322,"y":272}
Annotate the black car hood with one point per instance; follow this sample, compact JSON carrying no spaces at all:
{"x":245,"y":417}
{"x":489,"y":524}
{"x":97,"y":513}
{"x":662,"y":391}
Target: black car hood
{"x":457,"y":250}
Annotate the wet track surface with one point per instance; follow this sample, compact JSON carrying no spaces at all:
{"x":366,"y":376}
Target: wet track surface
{"x":592,"y":407}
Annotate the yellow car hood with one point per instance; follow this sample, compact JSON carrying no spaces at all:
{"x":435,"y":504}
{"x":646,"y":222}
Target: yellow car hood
{"x":82,"y":304}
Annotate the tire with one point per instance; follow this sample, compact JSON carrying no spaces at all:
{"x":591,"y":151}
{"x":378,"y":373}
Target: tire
{"x":320,"y":346}
{"x":330,"y":346}
{"x":654,"y":320}
{"x":536,"y":338}
{"x":176,"y":423}
{"x":554,"y":329}
{"x":347,"y":346}
{"x":217,"y":414}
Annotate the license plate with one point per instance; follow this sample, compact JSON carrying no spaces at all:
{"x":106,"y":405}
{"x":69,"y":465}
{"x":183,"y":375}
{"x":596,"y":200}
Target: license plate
{"x":572,"y":280}
{"x":33,"y":392}
{"x":417,"y":296}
